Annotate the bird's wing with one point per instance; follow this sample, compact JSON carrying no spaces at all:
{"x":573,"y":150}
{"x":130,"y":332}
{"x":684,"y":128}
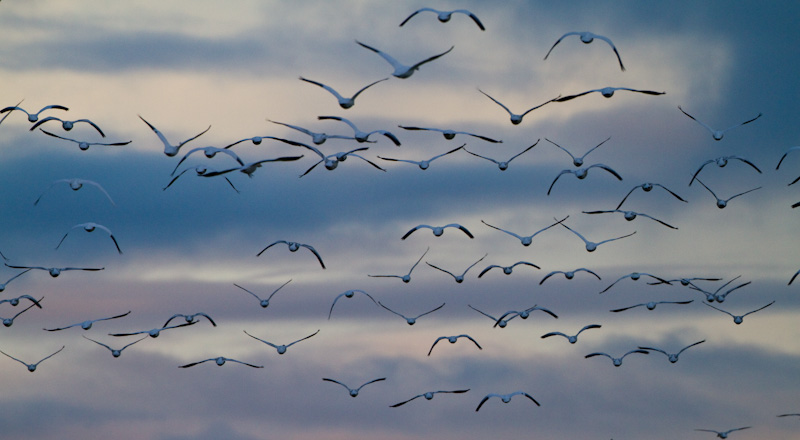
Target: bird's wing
{"x":266,"y":342}
{"x":523,"y":151}
{"x":383,"y":55}
{"x":372,"y":381}
{"x":316,"y":254}
{"x":445,"y":154}
{"x":157,"y":132}
{"x":487,"y":269}
{"x":473,"y":340}
{"x":437,"y":267}
{"x":302,"y":339}
{"x":329,"y":89}
{"x":590,"y":326}
{"x":100,"y":343}
{"x":269,"y":246}
{"x":472,"y":16}
{"x":485,"y":399}
{"x":756,"y":310}
{"x":499,"y":229}
{"x":417,"y":12}
{"x":427,"y":60}
{"x":414,"y":229}
{"x":549,"y":275}
{"x":707,"y":127}
{"x":607,"y":168}
{"x":608,"y":40}
{"x":612,"y":239}
{"x":98,"y":186}
{"x":556,"y":179}
{"x":496,"y":102}
{"x":558,"y":41}
{"x":48,"y":357}
{"x":694,"y":176}
{"x":655,"y":219}
{"x":367,"y":86}
{"x":409,"y":400}
{"x":626,"y":308}
{"x":538,"y":106}
{"x":547,"y":335}
{"x":430,"y":311}
{"x":743,"y":123}
{"x":690,"y":345}
{"x":746,"y":161}
{"x":434,"y":344}
{"x":743,"y":193}
{"x":195,"y":363}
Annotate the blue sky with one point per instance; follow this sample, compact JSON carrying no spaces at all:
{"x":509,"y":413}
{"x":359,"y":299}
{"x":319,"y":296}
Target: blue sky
{"x":186,"y":65}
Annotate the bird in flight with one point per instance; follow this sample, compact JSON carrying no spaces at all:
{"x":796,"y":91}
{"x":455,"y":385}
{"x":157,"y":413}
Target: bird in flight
{"x":84,"y":145}
{"x":86,"y":325}
{"x":647,"y":187}
{"x":412,"y":320}
{"x":8,"y":322}
{"x":293,"y":247}
{"x":452,"y":340}
{"x":582,"y":172}
{"x":438,"y":230}
{"x":407,"y":277}
{"x":190,"y":318}
{"x":717,"y":134}
{"x":571,"y":338}
{"x":281,"y":348}
{"x":630,"y":215}
{"x":502,"y":164}
{"x":738,"y":319}
{"x":169,"y":149}
{"x":721,"y":162}
{"x":578,"y":160}
{"x":722,"y":203}
{"x":32,"y":117}
{"x":590,"y":245}
{"x":608,"y":92}
{"x":723,"y":434}
{"x":673,"y":357}
{"x":362,"y":136}
{"x":617,"y":361}
{"x":528,"y":239}
{"x":444,"y":16}
{"x":349,"y":294}
{"x":429,"y":395}
{"x":344,"y":103}
{"x":116,"y":352}
{"x":586,"y":38}
{"x":516,"y":119}
{"x":506,"y":398}
{"x":507,"y":269}
{"x":91,"y":227}
{"x":651,"y":305}
{"x":220,"y":361}
{"x":569,"y":274}
{"x":354,"y":391}
{"x":450,"y":134}
{"x":67,"y":125}
{"x":32,"y":367}
{"x":423,"y":164}
{"x":76,"y":184}
{"x":458,"y":278}
{"x":403,"y":71}
{"x":263,"y":302}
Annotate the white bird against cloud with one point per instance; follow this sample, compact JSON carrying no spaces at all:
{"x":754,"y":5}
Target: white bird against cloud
{"x":571,"y":338}
{"x":8,"y":322}
{"x":507,"y":269}
{"x":630,"y":215}
{"x":738,"y":319}
{"x":86,"y":325}
{"x":428,"y":395}
{"x":502,"y":164}
{"x":84,"y":145}
{"x":116,"y":352}
{"x":344,"y":102}
{"x":32,"y":117}
{"x":403,"y":71}
{"x":190,"y":319}
{"x":354,"y":391}
{"x":411,"y":320}
{"x":15,"y":301}
{"x":220,"y":361}
{"x":450,"y":134}
{"x":349,"y":294}
{"x":723,"y":434}
{"x":458,"y":278}
{"x":647,"y":187}
{"x":651,"y":305}
{"x":452,"y":340}
{"x":438,"y":230}
{"x":32,"y":367}
{"x":673,"y":357}
{"x":608,"y":92}
{"x":362,"y":136}
{"x":717,"y":134}
{"x":616,"y":360}
{"x":293,"y":247}
{"x":170,"y":149}
{"x":721,"y":162}
{"x":423,"y":164}
{"x":55,"y":271}
{"x":505,"y":398}
{"x":635,"y":277}
{"x":590,"y":245}
{"x":527,"y":239}
{"x":76,"y":184}
{"x":155,"y":332}
{"x":444,"y":16}
{"x":67,"y":125}
{"x":91,"y":227}
{"x":3,"y":285}
{"x":578,"y":160}
{"x":570,"y":274}
{"x":407,"y":277}
{"x":582,"y":172}
{"x":516,"y":118}
{"x":722,"y":203}
{"x":263,"y":302}
{"x":280,"y":348}
{"x":586,"y":38}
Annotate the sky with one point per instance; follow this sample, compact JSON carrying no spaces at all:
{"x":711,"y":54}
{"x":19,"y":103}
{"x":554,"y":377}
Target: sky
{"x":235,"y":66}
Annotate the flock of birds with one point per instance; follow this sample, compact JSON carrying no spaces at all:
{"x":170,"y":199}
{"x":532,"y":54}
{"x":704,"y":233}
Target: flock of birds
{"x":42,"y":119}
